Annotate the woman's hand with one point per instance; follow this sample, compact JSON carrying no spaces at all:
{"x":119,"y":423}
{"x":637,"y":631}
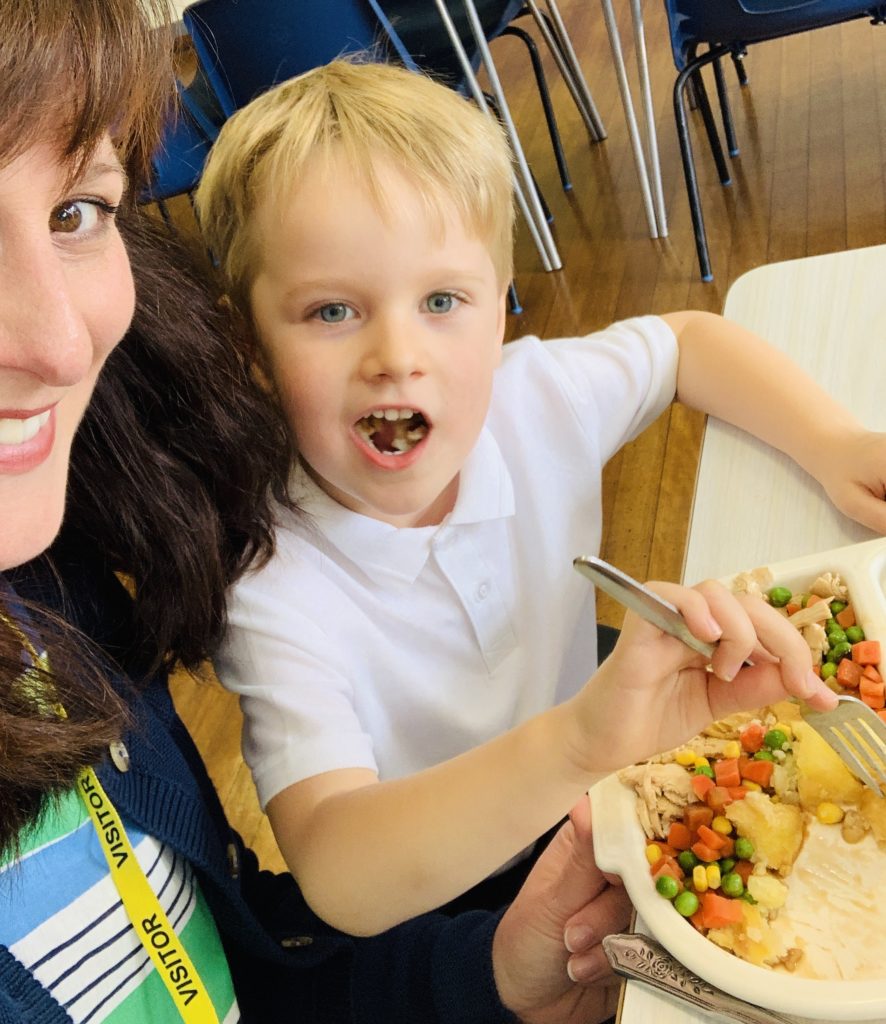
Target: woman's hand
{"x":654,"y":693}
{"x":852,"y":471}
{"x":548,"y":962}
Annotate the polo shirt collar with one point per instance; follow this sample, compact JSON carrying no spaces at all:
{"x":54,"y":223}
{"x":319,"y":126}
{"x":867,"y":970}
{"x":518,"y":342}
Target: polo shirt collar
{"x":382,"y":551}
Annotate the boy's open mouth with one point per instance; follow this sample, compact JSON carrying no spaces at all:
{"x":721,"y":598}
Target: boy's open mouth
{"x":393,"y":431}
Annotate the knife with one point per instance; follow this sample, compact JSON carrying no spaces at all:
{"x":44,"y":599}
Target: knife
{"x":643,"y":959}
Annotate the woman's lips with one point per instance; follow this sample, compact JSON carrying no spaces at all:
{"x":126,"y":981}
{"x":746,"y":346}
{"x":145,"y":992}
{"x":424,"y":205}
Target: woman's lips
{"x":26,"y":439}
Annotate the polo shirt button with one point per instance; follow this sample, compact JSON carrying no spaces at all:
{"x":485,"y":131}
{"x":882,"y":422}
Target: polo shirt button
{"x":119,"y":755}
{"x":482,"y":591}
{"x":297,"y":942}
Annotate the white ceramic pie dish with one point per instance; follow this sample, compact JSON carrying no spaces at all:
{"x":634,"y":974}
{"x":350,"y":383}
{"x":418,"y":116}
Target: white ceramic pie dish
{"x":619,"y":842}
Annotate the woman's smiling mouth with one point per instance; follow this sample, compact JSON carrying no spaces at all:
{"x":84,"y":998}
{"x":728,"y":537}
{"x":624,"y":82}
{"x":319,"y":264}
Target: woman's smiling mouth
{"x":392,"y":431}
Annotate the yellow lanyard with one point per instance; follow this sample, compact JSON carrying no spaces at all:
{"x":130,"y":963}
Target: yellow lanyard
{"x":140,"y":902}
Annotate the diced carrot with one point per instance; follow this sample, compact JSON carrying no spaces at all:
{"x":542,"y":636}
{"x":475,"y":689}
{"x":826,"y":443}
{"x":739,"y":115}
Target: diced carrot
{"x":726,"y":772}
{"x":702,"y":784}
{"x":871,"y":672}
{"x":744,"y":869}
{"x":728,"y":847}
{"x":817,"y":670}
{"x":719,"y":912}
{"x":848,"y":674}
{"x":667,"y":866}
{"x":793,"y":607}
{"x":813,"y":599}
{"x":846,"y":618}
{"x":705,"y":852}
{"x":696,"y":920}
{"x":866,"y":652}
{"x":666,"y":848}
{"x":697,"y":814}
{"x":679,"y":836}
{"x":752,"y":737}
{"x":717,"y":798}
{"x":869,"y":688}
{"x":737,"y":792}
{"x":710,"y":838}
{"x":877,"y":703}
{"x":882,"y":715}
{"x":759,"y":772}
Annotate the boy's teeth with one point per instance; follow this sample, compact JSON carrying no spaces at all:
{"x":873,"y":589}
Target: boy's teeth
{"x":392,"y":414}
{"x":15,"y":431}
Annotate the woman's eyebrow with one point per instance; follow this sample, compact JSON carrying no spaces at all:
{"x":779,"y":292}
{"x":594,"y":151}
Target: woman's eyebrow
{"x":100,"y":168}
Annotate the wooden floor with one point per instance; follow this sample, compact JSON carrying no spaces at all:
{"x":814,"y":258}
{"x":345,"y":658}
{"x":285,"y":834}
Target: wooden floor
{"x":810,"y":179}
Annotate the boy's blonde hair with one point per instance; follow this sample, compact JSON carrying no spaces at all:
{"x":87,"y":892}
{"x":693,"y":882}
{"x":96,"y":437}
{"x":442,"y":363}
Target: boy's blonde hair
{"x":444,"y":145}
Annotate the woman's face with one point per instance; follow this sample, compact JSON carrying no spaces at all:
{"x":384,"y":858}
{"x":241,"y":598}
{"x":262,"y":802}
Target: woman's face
{"x":66,"y":299}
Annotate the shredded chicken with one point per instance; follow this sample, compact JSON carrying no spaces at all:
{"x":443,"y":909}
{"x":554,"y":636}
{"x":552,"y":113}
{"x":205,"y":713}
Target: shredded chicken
{"x":755,"y":582}
{"x":831,"y":586}
{"x":663,"y":791}
{"x":818,"y":612}
{"x":817,"y":639}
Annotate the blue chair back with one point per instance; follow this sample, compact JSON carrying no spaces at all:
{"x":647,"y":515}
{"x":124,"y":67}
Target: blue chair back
{"x":708,"y":22}
{"x":247,"y":46}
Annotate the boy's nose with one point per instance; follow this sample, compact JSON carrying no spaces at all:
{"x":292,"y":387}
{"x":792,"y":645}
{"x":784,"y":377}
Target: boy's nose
{"x":393,"y":352}
{"x":42,"y":330}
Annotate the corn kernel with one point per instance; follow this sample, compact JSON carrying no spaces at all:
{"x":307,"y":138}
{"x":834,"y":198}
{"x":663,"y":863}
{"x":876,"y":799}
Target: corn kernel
{"x":722,"y":825}
{"x":702,"y":762}
{"x":828,"y":813}
{"x":686,"y":757}
{"x":713,"y":875}
{"x":785,"y":728}
{"x":653,"y":853}
{"x":755,"y":786}
{"x":700,"y":878}
{"x":732,"y":749}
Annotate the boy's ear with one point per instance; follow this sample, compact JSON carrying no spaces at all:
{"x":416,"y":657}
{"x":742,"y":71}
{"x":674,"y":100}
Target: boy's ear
{"x":502,"y":317}
{"x":250,"y":346}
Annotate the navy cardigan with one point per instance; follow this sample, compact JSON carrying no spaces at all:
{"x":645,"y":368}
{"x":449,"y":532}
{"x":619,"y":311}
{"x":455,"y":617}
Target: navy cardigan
{"x":286,"y":964}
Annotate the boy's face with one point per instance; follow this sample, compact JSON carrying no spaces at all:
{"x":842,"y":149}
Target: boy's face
{"x":382,"y":338}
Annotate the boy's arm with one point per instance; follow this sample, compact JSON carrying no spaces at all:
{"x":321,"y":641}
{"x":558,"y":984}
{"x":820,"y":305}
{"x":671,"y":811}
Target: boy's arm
{"x":370,"y":854}
{"x":731,"y":373}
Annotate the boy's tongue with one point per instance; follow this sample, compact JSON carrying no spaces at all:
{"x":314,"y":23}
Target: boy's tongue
{"x":383,"y":436}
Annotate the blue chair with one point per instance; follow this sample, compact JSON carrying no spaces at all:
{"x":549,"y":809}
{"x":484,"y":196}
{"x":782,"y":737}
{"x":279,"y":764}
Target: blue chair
{"x":190,"y":130}
{"x":245,"y":48}
{"x":727,"y":28}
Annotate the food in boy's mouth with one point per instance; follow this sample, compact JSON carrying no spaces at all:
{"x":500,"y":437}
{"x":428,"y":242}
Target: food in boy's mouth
{"x":757,"y":831}
{"x":393,"y":431}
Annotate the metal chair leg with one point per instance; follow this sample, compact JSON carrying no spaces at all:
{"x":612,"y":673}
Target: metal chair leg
{"x":547,"y":107}
{"x":513,"y":300}
{"x":701,"y":241}
{"x":738,"y":57}
{"x":701,"y":95}
{"x":725,"y":109}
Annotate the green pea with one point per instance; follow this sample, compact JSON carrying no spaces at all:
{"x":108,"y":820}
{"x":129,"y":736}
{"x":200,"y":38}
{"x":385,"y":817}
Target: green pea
{"x":686,"y":903}
{"x":726,"y":865}
{"x":855,"y":634}
{"x":840,"y":650}
{"x":744,"y":848}
{"x":764,"y":755}
{"x":704,"y":769}
{"x":837,"y":607}
{"x":732,"y":885}
{"x":804,"y":600}
{"x":779,"y":596}
{"x":687,"y":860}
{"x":830,"y":625}
{"x":667,"y":886}
{"x":775,"y":739}
{"x":748,"y":898}
{"x":836,"y":636}
{"x":828,"y":670}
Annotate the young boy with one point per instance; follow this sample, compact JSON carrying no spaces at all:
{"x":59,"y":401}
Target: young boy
{"x":412,"y":663}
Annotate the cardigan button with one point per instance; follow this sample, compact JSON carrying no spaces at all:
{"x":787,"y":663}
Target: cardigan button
{"x":233,"y":860}
{"x":119,"y":755}
{"x":297,"y":942}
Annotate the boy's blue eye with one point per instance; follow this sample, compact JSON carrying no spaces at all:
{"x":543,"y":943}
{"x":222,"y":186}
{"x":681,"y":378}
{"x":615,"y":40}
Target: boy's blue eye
{"x":334,"y":313}
{"x":440,"y":302}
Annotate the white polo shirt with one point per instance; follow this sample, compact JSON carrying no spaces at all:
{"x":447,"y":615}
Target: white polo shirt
{"x":364,"y":645}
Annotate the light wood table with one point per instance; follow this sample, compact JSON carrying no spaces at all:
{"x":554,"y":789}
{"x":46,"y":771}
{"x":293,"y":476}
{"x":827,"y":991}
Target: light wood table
{"x":753,"y":506}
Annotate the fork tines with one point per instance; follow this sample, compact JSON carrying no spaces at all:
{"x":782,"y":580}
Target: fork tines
{"x":858,"y":735}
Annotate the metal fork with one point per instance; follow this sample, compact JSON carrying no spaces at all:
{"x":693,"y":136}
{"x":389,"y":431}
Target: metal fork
{"x":858,"y":735}
{"x":854,"y":730}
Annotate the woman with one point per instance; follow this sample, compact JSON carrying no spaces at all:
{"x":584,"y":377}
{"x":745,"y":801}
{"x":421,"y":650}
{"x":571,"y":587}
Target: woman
{"x":124,"y":896}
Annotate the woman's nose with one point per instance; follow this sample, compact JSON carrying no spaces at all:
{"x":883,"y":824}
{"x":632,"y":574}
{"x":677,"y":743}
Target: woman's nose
{"x":42,"y":329}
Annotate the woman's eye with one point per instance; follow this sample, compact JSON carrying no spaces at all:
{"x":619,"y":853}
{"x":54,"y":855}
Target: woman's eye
{"x":334,"y":313}
{"x":441,"y":302}
{"x":80,"y":216}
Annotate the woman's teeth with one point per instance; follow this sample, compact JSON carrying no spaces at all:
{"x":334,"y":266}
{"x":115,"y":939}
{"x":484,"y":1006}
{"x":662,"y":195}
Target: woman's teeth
{"x":393,"y":431}
{"x":17,"y":431}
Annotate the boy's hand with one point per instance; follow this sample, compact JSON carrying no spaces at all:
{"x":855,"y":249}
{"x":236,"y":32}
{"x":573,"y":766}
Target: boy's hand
{"x":654,"y":693}
{"x":548,"y":962}
{"x":852,"y":471}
